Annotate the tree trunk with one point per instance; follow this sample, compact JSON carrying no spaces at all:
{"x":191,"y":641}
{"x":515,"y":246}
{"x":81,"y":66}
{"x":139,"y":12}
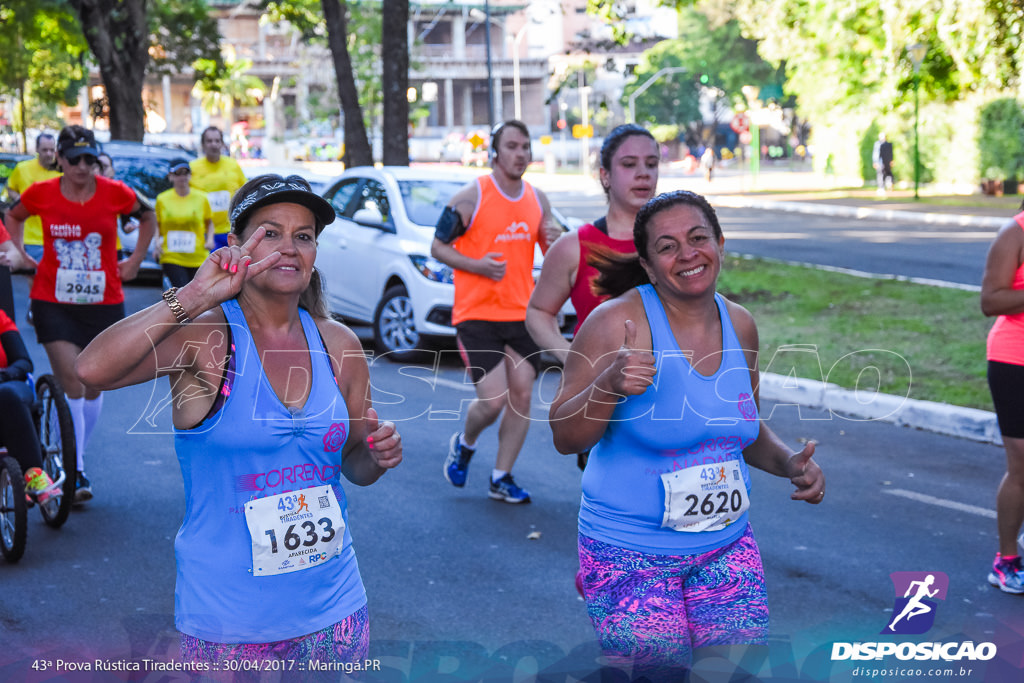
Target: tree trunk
{"x":24,"y":117}
{"x":395,"y":78}
{"x":357,"y":147}
{"x":118,"y":37}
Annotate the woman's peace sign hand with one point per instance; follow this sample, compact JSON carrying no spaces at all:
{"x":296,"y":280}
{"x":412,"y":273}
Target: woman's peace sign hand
{"x":225,"y":270}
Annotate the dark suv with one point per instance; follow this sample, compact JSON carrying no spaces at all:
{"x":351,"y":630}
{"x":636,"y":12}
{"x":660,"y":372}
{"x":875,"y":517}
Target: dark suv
{"x":8,"y":160}
{"x":144,"y":168}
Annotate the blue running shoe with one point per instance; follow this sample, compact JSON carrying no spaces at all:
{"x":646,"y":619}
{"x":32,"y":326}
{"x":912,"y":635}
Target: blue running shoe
{"x":505,"y":489}
{"x":1007,"y":575}
{"x":456,"y":465}
{"x":83,"y":489}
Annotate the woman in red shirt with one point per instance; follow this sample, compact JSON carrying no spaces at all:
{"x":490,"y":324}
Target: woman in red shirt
{"x":629,"y":176}
{"x":76,"y":292}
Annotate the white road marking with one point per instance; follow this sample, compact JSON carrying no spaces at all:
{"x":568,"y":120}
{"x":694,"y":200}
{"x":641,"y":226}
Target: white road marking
{"x":942,"y":502}
{"x":461,"y":386}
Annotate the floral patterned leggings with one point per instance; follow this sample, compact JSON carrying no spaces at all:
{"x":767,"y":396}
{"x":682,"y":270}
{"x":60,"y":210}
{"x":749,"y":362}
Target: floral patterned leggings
{"x":652,"y":611}
{"x":346,"y":641}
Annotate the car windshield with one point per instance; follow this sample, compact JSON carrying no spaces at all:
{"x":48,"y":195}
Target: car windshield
{"x":147,"y":175}
{"x":425,"y":199}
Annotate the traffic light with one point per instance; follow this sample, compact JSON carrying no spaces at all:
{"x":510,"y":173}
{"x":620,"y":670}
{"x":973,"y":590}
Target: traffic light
{"x":704,"y":79}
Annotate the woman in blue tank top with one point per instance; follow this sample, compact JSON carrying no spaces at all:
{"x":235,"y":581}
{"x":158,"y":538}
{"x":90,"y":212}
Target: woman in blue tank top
{"x":661,"y":384}
{"x":270,"y":408}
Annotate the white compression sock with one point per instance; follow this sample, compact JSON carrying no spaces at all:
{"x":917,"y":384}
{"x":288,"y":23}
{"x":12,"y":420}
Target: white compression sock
{"x":77,"y":408}
{"x":91,"y":412}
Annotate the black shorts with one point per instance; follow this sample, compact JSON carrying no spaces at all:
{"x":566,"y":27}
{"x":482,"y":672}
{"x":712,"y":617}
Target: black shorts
{"x":75,"y":323}
{"x":482,"y":345}
{"x":1006,"y":382}
{"x":179,"y":276}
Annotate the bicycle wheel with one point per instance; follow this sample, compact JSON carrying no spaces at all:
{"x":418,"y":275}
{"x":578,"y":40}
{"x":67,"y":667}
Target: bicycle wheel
{"x":57,"y":439}
{"x":13,"y":509}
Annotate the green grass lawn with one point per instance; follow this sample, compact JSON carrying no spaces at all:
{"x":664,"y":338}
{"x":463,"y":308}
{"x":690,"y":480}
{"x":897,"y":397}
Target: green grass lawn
{"x":906,"y":339}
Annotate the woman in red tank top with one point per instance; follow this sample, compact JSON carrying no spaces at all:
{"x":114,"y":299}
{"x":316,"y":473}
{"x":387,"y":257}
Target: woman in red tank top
{"x":629,"y":175}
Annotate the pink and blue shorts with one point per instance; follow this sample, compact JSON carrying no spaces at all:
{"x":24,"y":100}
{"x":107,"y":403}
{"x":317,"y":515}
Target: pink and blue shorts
{"x":651,"y":611}
{"x":346,"y":641}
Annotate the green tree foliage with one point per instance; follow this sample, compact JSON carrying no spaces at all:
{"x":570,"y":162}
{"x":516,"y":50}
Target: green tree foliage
{"x":174,"y":48}
{"x":42,"y":54}
{"x":848,"y":66}
{"x":715,"y":50}
{"x":219,"y":84}
{"x":1001,"y":139}
{"x":124,"y":35}
{"x":671,"y":100}
{"x":352,"y":30}
{"x":848,"y":62}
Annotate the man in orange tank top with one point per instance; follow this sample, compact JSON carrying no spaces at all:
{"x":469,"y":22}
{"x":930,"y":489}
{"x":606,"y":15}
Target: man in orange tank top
{"x":487,"y":235}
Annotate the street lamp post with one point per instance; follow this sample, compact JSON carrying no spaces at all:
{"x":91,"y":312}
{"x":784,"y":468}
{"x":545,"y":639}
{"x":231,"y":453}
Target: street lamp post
{"x":490,"y":76}
{"x":515,"y":71}
{"x":917,"y":52}
{"x":647,"y":84}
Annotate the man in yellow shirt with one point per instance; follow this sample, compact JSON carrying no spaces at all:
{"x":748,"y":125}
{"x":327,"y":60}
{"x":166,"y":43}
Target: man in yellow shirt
{"x":185,"y":221}
{"x":32,"y":171}
{"x":219,"y":177}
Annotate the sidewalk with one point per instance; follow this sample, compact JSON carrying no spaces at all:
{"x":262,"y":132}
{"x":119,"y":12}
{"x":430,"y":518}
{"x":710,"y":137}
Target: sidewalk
{"x":809,"y":192}
{"x":806,"y":192}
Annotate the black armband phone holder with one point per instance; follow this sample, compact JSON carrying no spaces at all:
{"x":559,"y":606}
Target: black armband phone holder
{"x":449,"y":226}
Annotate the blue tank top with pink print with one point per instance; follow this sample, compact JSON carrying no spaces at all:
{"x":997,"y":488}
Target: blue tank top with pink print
{"x":683,"y":420}
{"x":252,"y":447}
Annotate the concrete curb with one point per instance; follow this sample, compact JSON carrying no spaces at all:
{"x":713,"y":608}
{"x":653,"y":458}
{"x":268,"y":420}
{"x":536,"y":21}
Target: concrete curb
{"x":941,"y":418}
{"x":820,"y":209}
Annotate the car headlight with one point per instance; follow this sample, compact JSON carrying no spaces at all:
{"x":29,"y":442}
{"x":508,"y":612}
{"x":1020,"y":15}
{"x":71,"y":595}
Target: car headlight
{"x":432,"y":269}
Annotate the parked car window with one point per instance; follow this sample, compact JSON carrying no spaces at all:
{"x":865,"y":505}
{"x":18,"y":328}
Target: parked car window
{"x":425,"y":199}
{"x":143,"y":167}
{"x":342,"y":195}
{"x":374,"y":196}
{"x":7,"y":163}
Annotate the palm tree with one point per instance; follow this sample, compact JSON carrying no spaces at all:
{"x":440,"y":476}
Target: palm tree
{"x":218,"y":89}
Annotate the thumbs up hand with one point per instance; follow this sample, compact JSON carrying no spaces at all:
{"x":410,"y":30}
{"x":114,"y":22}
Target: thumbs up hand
{"x":632,"y":370}
{"x":806,"y":476}
{"x":383,"y":441}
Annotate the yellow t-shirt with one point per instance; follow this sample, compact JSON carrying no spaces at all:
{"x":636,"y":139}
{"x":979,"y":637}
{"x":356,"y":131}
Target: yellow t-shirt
{"x":219,"y":181}
{"x":24,"y":174}
{"x":182,"y":224}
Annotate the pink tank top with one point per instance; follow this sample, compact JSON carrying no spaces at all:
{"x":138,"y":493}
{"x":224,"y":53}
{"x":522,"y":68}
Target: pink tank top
{"x":583,"y":299}
{"x":1006,"y":338}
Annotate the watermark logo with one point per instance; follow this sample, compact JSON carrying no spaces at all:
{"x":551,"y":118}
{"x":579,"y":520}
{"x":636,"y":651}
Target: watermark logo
{"x":917,"y":594}
{"x":913,"y":613}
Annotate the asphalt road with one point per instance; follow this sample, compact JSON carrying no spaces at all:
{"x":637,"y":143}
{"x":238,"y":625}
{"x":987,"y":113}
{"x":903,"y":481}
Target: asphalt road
{"x":910,"y":249}
{"x":458,"y":589}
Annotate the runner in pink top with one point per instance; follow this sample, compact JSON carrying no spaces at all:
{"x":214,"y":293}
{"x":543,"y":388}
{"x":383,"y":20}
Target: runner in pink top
{"x":1002,"y":295}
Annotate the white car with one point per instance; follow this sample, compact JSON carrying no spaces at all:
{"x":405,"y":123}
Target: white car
{"x":375,"y":257}
{"x":317,"y":181}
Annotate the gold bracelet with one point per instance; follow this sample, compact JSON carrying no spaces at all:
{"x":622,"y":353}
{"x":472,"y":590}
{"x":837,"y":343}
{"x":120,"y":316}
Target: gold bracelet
{"x":171,"y":297}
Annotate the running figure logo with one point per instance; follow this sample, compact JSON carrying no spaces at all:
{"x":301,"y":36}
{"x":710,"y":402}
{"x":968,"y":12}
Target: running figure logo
{"x":914,"y":612}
